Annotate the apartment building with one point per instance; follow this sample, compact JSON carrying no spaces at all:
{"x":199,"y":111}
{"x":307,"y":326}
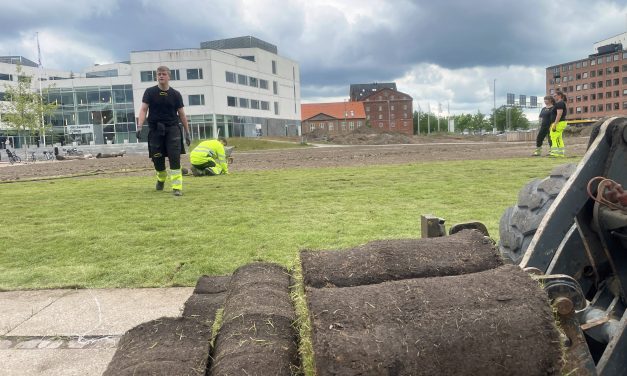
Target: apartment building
{"x":386,"y":108}
{"x":596,"y":86}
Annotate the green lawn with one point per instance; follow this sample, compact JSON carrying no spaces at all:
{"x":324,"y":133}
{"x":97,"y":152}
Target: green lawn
{"x":119,"y":232}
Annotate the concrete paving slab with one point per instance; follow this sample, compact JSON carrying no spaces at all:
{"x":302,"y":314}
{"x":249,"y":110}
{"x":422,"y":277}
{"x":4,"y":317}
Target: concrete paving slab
{"x":102,"y":311}
{"x":57,"y":362}
{"x":18,"y":306}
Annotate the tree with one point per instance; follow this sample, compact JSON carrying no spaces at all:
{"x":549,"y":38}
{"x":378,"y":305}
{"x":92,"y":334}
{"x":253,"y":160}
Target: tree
{"x":427,"y":120}
{"x":509,"y":118}
{"x":23,"y":109}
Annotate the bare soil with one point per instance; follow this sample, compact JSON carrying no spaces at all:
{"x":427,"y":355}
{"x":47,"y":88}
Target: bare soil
{"x":423,"y":149}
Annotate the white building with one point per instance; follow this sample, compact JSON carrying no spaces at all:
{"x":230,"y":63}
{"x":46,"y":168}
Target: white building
{"x":230,"y":87}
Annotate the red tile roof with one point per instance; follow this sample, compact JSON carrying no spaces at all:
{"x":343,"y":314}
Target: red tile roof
{"x":337,"y":110}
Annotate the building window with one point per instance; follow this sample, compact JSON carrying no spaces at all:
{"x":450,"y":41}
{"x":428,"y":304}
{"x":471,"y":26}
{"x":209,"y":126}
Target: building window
{"x":330,"y":126}
{"x":593,"y":97}
{"x":616,"y":57}
{"x":565,"y":79}
{"x":600,"y":72}
{"x":404,"y":107}
{"x":578,"y":65}
{"x":624,"y":92}
{"x":616,"y":81}
{"x":578,"y":88}
{"x":616,"y":93}
{"x":368,"y":107}
{"x":175,"y":75}
{"x":608,"y":83}
{"x":231,"y":101}
{"x":273,"y":66}
{"x":380,"y":124}
{"x":584,"y":75}
{"x":242,"y":79}
{"x":593,"y":108}
{"x":351,"y":125}
{"x":585,"y":98}
{"x":194,"y":74}
{"x":276,"y":108}
{"x":578,"y":76}
{"x":265,"y":105}
{"x":608,"y":59}
{"x":578,"y":98}
{"x":608,"y":107}
{"x":243,"y":103}
{"x":600,"y":84}
{"x":230,"y":77}
{"x":392,"y":115}
{"x":570,"y":110}
{"x":624,"y":105}
{"x":263,"y":84}
{"x":380,"y":116}
{"x":358,"y":123}
{"x":616,"y":69}
{"x":585,"y":87}
{"x":593,"y":73}
{"x":380,"y":108}
{"x":254,"y":104}
{"x":578,"y":110}
{"x":252,"y":81}
{"x":608,"y":94}
{"x":617,"y":106}
{"x":196,"y":100}
{"x":600,"y":108}
{"x":593,"y":85}
{"x":608,"y":71}
{"x":592,"y":62}
{"x":600,"y":95}
{"x":585,"y":109}
{"x":584,"y":63}
{"x":275,"y":87}
{"x":147,"y":76}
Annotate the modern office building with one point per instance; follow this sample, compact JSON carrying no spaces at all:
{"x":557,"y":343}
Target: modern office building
{"x":230,"y":87}
{"x":596,"y":86}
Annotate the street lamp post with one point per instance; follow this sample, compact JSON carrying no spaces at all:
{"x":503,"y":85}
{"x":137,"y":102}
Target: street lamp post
{"x":494,"y":108}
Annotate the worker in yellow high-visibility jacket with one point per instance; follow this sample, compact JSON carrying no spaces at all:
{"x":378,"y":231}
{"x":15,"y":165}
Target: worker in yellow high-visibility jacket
{"x":210,"y":158}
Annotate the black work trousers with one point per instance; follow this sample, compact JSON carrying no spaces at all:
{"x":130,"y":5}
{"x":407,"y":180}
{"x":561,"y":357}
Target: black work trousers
{"x":165,"y":141}
{"x":543,"y":133}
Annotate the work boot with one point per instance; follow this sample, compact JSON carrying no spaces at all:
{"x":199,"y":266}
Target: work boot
{"x":209,"y":171}
{"x":197,"y":172}
{"x":159,"y":185}
{"x":537,"y":152}
{"x":177,"y":192}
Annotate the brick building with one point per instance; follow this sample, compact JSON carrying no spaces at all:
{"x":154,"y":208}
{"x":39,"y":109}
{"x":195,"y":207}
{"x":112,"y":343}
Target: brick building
{"x":334,"y":118}
{"x":596,"y":86}
{"x":386,"y":108}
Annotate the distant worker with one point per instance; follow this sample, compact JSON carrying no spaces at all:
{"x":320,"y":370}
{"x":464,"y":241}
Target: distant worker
{"x":210,"y":158}
{"x":547,"y":117}
{"x":164,"y":106}
{"x":558,"y":126}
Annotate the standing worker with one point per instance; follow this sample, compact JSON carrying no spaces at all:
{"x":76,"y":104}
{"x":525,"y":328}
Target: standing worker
{"x":210,"y":158}
{"x":558,"y":126}
{"x":164,"y":106}
{"x":547,"y":118}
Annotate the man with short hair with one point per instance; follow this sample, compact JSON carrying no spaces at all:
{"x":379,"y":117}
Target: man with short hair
{"x":210,"y":158}
{"x":164,"y":107}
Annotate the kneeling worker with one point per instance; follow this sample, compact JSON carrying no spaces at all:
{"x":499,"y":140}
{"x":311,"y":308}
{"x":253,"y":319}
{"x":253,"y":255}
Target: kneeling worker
{"x":210,"y":158}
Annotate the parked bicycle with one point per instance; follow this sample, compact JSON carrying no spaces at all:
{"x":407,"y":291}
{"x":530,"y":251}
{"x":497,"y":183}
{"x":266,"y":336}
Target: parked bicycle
{"x":13,"y":158}
{"x":73,"y":151}
{"x":48,"y":156}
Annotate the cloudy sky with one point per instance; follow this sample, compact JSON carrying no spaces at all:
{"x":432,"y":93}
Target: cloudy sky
{"x":446,"y":51}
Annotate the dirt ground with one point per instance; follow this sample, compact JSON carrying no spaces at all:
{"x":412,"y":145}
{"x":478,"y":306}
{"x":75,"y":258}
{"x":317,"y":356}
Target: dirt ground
{"x":432,"y":148}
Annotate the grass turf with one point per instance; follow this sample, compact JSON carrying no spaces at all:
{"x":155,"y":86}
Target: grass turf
{"x":119,"y":232}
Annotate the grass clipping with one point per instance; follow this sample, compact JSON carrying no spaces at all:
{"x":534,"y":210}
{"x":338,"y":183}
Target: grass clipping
{"x":303,"y":323}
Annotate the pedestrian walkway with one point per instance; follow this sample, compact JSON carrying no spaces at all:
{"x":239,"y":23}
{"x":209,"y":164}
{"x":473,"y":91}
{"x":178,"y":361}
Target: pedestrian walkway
{"x":75,"y":332}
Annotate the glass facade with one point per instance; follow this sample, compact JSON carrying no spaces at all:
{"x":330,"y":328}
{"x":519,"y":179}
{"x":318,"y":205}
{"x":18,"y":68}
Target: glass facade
{"x":94,"y":113}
